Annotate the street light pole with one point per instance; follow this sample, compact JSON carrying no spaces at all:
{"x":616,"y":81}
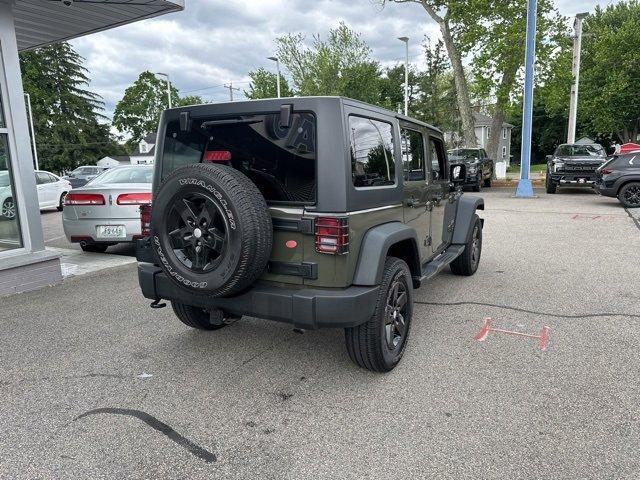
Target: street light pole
{"x":577,"y":51}
{"x":168,"y":87}
{"x":33,"y":132}
{"x":406,"y":74}
{"x":525,"y":189}
{"x":275,"y":59}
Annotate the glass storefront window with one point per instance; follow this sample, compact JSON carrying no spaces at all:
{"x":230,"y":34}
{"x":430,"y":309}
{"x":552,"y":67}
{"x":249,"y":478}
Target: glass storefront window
{"x":9,"y":225}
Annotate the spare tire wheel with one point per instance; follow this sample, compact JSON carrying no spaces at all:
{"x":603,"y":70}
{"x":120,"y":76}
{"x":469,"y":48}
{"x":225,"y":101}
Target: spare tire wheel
{"x":212,"y":231}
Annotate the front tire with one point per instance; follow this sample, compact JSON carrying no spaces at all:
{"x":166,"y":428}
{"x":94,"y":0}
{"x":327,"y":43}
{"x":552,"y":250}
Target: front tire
{"x":487,"y":181}
{"x":477,"y":186}
{"x":195,"y":317}
{"x":467,"y":263}
{"x":550,"y":184}
{"x":61,"y":203}
{"x":378,"y":345}
{"x":629,"y":195}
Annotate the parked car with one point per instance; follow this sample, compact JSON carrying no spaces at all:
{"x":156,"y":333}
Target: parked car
{"x":574,"y":165}
{"x":51,"y":191}
{"x":620,"y":177}
{"x":106,"y":211}
{"x":480,"y":168}
{"x":81,"y":175}
{"x":322,"y":212}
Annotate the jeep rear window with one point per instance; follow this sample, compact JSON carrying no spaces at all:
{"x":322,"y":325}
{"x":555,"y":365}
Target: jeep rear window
{"x":280,"y":160}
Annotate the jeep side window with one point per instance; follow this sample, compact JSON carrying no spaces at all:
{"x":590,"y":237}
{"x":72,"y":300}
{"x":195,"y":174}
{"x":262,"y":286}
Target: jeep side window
{"x":372,"y":152}
{"x":436,"y":153}
{"x":413,"y":155}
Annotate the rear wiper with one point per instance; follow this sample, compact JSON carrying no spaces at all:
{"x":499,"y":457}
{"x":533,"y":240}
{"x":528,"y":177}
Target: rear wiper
{"x":230,"y":121}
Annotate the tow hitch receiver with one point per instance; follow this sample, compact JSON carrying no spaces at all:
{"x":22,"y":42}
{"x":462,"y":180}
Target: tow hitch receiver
{"x":481,"y":336}
{"x":158,"y":303}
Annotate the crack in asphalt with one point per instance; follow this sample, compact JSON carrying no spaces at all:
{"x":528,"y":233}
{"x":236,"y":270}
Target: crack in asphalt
{"x":525,"y":310}
{"x":156,"y":424}
{"x":635,"y":220}
{"x":67,"y":377}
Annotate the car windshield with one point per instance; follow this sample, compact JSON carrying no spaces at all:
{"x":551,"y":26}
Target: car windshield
{"x":124,"y":175}
{"x":4,"y":179}
{"x":580,"y":151}
{"x":463,"y":153}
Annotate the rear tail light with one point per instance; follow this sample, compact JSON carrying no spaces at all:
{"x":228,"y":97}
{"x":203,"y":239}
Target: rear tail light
{"x":145,"y":220}
{"x":606,"y":171}
{"x":134,"y":199}
{"x":217,"y":156}
{"x":332,"y":235}
{"x":84,"y":199}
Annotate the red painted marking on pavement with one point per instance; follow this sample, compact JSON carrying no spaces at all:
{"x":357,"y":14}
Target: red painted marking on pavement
{"x":576,"y":216}
{"x":481,"y":336}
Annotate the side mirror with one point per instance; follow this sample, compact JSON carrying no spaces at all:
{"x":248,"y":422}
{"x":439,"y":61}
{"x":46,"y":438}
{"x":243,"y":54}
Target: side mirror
{"x":549,"y":157}
{"x":458,"y":173}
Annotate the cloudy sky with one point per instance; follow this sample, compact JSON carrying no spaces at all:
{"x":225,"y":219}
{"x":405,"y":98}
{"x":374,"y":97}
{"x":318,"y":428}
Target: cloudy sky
{"x":213,"y":42}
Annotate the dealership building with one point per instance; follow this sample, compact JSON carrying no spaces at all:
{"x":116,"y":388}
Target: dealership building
{"x":25,"y":264}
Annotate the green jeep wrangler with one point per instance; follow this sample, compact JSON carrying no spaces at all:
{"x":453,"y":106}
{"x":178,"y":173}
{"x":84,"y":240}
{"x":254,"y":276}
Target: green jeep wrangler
{"x":318,"y":211}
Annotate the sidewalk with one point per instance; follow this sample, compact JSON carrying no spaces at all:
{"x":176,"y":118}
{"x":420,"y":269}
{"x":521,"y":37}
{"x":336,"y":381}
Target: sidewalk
{"x":77,"y":262}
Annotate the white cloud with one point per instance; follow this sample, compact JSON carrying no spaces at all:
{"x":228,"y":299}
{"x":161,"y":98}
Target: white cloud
{"x":214,"y":41}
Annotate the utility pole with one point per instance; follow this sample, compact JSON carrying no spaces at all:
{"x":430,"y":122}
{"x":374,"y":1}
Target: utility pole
{"x":406,"y":74}
{"x":525,"y":189}
{"x":575,"y":69}
{"x":231,"y":89}
{"x":33,"y":132}
{"x":168,"y":87}
{"x":275,"y":59}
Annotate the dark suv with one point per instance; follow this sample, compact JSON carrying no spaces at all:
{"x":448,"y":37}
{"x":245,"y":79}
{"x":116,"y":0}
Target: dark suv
{"x":620,"y":178}
{"x":478,"y":165}
{"x":316,"y":211}
{"x":574,"y":165}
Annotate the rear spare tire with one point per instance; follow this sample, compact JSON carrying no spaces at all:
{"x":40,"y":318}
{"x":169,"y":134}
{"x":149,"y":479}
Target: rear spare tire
{"x":211,"y":229}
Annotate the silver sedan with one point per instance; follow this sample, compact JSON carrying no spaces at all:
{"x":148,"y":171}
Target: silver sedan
{"x":106,"y":211}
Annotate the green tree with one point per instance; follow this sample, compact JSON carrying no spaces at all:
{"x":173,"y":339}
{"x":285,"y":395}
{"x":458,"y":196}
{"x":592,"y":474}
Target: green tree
{"x":264,"y":84}
{"x":138,"y":113}
{"x":609,"y":94}
{"x":69,"y":125}
{"x":391,"y":89}
{"x":339,"y":65}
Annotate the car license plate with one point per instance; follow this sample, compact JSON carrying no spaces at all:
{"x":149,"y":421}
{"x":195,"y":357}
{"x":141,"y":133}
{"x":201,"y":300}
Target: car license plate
{"x":111,"y":231}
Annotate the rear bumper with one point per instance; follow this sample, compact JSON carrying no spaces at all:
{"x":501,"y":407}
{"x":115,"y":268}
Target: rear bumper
{"x":307,"y":308}
{"x":85,"y":229}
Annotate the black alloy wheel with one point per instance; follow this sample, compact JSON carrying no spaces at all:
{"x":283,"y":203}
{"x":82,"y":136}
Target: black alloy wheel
{"x":198,"y":231}
{"x":395,"y":326}
{"x":629,"y":195}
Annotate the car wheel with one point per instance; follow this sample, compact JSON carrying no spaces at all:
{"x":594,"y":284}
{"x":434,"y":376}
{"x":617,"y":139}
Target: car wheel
{"x":61,"y":203}
{"x":212,"y":230}
{"x":487,"y":181}
{"x":467,"y":263}
{"x":379,"y":344}
{"x":93,"y":247}
{"x":477,"y":186}
{"x":629,"y":195}
{"x":8,"y":209}
{"x":550,"y":184}
{"x":198,"y":318}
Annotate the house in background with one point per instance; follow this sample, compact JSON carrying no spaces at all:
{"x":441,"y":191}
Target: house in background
{"x":143,"y":155}
{"x":482,"y":125}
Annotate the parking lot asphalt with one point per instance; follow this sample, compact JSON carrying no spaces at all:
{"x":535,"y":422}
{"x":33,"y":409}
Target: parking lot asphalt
{"x":94,"y":384}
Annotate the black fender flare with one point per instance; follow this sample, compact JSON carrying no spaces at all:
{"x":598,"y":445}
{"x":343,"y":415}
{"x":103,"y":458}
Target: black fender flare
{"x":374,"y":248}
{"x":467,"y":207}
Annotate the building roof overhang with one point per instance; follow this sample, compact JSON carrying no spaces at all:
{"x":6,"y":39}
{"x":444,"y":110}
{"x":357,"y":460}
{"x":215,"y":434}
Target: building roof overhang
{"x":42,"y":22}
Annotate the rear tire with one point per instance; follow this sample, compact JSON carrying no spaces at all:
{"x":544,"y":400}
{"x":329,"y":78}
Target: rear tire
{"x":195,"y":317}
{"x":467,"y":263}
{"x":550,"y":184}
{"x":629,"y":195}
{"x":94,"y":248}
{"x":378,"y":345}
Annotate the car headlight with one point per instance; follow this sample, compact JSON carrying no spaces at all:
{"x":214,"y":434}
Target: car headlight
{"x":557,"y":166}
{"x":473,"y":168}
